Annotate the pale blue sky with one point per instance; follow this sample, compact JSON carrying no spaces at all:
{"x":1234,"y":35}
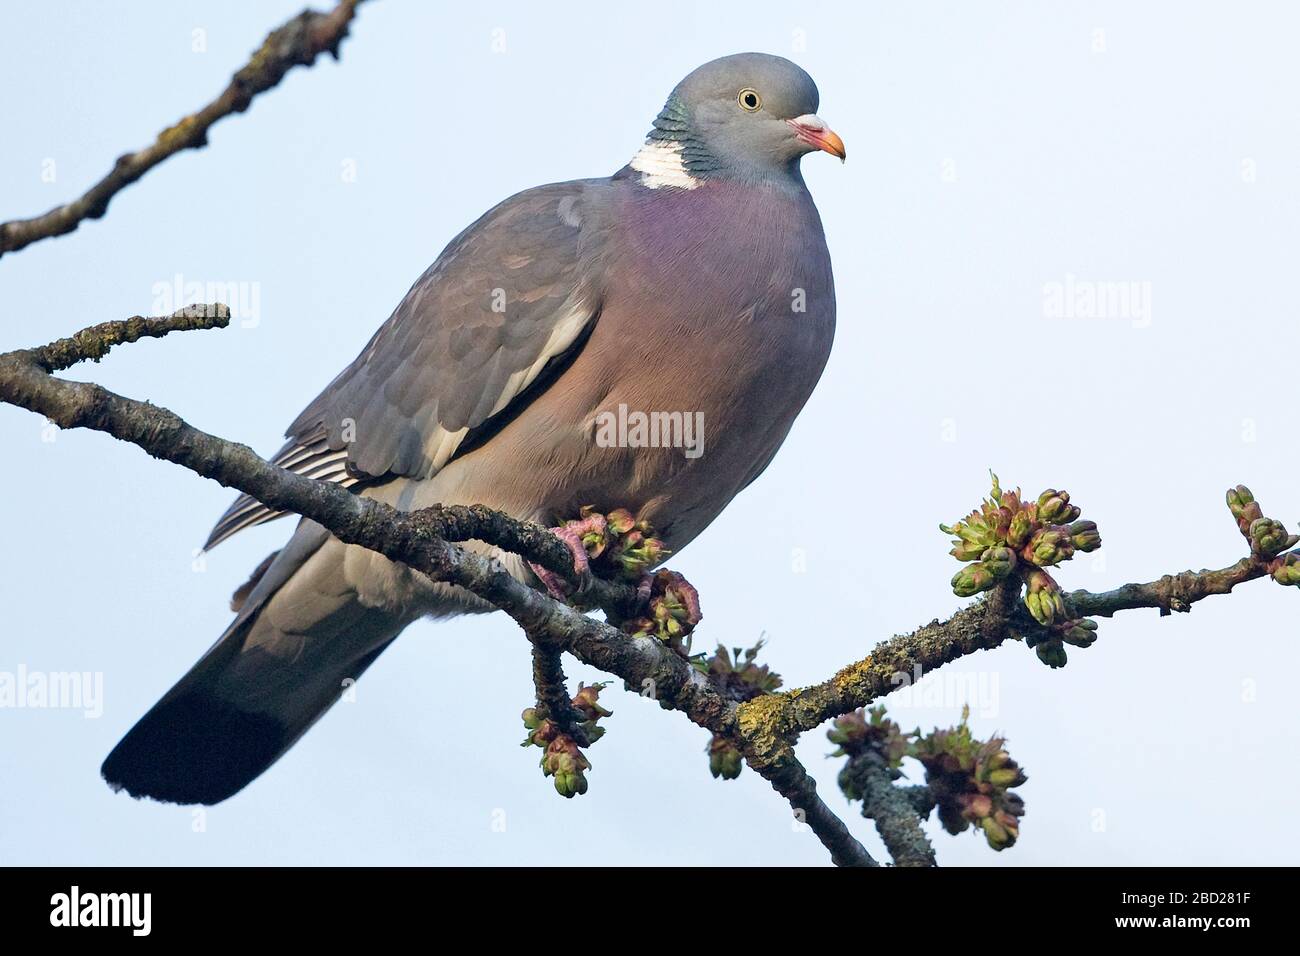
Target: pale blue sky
{"x":994,"y":149}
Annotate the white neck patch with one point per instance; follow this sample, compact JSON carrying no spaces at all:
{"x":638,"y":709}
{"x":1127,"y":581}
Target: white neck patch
{"x":660,"y":164}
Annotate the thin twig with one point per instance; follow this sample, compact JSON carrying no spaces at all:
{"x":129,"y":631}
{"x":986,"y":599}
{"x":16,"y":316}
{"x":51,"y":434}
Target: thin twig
{"x":299,"y":41}
{"x":94,"y":343}
{"x":1173,"y":592}
{"x":553,"y":700}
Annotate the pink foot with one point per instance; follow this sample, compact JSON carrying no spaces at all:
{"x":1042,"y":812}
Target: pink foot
{"x":688,"y":595}
{"x":670,"y":607}
{"x":571,"y":534}
{"x":643,"y":589}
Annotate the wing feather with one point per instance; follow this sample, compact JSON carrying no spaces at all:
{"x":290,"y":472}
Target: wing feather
{"x":505,"y":303}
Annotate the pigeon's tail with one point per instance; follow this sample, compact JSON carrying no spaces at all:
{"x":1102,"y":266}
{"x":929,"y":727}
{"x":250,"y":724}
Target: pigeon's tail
{"x":197,"y":745}
{"x":300,"y":639}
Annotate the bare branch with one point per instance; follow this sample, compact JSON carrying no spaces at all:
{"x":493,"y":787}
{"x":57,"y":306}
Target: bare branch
{"x":553,"y":700}
{"x":1173,"y":592}
{"x":895,"y":810}
{"x":789,"y":778}
{"x":92,"y":344}
{"x":297,"y":42}
{"x":891,"y":665}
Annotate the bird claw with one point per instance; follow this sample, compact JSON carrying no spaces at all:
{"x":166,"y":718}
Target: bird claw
{"x":571,"y":533}
{"x":616,"y":545}
{"x":643,"y":589}
{"x":670,"y":607}
{"x":689,"y":594}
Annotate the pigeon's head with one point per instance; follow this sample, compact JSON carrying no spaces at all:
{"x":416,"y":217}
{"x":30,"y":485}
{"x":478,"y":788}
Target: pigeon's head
{"x":748,"y":115}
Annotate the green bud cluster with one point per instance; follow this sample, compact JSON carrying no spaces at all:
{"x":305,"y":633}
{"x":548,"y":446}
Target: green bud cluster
{"x":868,"y":734}
{"x":725,"y":760}
{"x":567,"y":765}
{"x":971,"y":781}
{"x":632,"y":548}
{"x":1049,"y":645}
{"x":1286,"y":570}
{"x":1245,"y":509}
{"x":1043,"y":598}
{"x":586,"y":705}
{"x":1008,"y":538}
{"x":738,"y":675}
{"x":861,"y":730}
{"x":1268,"y":537}
{"x":562,"y":756}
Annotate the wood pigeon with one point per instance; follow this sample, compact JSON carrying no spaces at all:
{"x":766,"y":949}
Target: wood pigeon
{"x":695,"y":280}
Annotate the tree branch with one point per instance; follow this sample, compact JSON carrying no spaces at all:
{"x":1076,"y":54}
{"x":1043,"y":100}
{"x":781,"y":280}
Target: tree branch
{"x":297,"y":42}
{"x":413,"y":538}
{"x":894,"y":809}
{"x":783,"y":770}
{"x":764,"y":727}
{"x":1173,"y":592}
{"x":553,"y":700}
{"x":898,"y":661}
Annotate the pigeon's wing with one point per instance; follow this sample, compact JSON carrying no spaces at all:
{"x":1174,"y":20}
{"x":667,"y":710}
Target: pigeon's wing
{"x":508,"y":302}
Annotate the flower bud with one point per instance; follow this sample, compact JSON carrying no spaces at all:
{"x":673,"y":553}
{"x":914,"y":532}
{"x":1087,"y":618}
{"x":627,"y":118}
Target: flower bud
{"x":725,"y":761}
{"x":999,"y":561}
{"x":1269,"y":538}
{"x":1287,"y":570}
{"x":1006,"y":777}
{"x":1020,"y":530}
{"x":1054,"y":507}
{"x":1239,"y":499}
{"x":972,"y":579}
{"x":1043,"y":598}
{"x":1049,"y":547}
{"x":1080,"y":633}
{"x":1245,"y":509}
{"x":1084,"y":535}
{"x":997,"y":835}
{"x":1051,"y":653}
{"x":584,"y":701}
{"x":977,"y":806}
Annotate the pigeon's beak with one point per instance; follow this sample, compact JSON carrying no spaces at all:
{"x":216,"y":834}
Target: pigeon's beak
{"x":812,"y":129}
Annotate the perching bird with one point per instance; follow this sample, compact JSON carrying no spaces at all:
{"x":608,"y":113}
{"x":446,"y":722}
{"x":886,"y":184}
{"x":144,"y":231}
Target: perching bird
{"x":696,"y":279}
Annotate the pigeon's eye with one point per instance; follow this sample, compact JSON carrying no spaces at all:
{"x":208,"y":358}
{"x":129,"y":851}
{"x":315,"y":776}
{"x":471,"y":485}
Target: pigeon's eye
{"x":749,"y":100}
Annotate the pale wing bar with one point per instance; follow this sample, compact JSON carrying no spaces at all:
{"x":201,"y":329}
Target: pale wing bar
{"x":312,"y":459}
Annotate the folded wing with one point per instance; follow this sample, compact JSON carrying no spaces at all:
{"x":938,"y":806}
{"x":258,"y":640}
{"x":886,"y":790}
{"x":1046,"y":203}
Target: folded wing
{"x":505,"y":306}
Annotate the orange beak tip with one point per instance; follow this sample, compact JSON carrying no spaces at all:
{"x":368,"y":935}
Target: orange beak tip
{"x":812,"y":130}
